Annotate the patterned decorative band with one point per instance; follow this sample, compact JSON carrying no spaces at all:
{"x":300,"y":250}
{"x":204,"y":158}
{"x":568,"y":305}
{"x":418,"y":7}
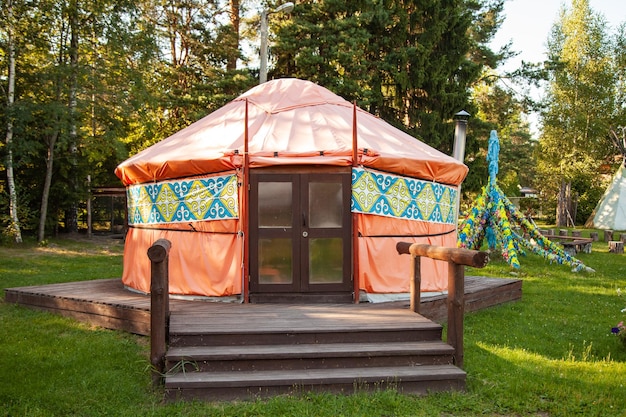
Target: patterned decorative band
{"x":193,"y":200}
{"x":216,"y":198}
{"x":401,"y":197}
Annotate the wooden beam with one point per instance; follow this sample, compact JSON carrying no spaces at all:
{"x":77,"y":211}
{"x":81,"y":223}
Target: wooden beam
{"x":460,"y":256}
{"x":355,"y":222}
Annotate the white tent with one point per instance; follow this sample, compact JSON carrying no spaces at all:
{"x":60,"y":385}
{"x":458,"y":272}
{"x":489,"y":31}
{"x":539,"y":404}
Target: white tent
{"x":610,"y":213}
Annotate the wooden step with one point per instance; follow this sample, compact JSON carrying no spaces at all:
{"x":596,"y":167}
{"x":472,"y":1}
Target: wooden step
{"x":255,"y":350}
{"x":337,"y":334}
{"x":227,"y":386}
{"x":262,"y":324}
{"x":308,"y":356}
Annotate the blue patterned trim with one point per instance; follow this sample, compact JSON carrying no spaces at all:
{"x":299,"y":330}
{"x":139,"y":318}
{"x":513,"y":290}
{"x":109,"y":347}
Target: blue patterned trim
{"x":401,"y":197}
{"x":199,"y":199}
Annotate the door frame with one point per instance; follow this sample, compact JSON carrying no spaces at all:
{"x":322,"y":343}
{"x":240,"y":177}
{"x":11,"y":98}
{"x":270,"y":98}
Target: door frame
{"x":301,"y":290}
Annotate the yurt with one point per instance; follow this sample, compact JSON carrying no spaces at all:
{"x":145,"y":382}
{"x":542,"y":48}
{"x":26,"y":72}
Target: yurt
{"x":289,"y":193}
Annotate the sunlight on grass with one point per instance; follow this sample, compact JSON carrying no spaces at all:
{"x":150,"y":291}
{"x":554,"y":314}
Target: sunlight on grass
{"x":586,"y":361}
{"x":567,"y":386}
{"x":60,"y":261}
{"x":77,"y":252}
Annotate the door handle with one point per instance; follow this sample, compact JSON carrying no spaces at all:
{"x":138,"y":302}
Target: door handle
{"x":304,"y":232}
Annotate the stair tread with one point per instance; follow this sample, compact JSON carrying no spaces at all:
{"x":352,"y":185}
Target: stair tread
{"x":185,"y":380}
{"x":224,"y":328}
{"x":307,"y":350}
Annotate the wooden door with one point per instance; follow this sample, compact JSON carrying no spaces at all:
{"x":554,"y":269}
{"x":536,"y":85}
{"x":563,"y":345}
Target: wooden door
{"x":300,"y":237}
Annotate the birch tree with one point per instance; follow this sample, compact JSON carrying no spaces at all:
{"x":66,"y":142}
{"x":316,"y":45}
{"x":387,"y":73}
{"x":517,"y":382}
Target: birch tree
{"x":14,"y":226}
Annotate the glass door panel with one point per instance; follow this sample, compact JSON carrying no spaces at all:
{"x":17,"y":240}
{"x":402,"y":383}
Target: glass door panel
{"x":326,"y":260}
{"x":325,"y":204}
{"x":327,"y":250}
{"x":275,"y":204}
{"x":275,"y":261}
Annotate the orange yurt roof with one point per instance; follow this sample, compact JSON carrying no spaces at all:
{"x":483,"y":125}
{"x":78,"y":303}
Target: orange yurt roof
{"x":290,"y":122}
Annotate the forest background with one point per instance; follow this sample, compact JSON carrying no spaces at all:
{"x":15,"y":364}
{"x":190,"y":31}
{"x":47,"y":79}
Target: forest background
{"x":88,"y":83}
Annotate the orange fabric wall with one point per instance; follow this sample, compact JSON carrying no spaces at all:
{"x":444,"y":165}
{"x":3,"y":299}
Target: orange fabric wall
{"x":200,"y":263}
{"x":382,"y":270}
{"x":209,"y":264}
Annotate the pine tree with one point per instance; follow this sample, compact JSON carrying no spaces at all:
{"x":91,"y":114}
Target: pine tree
{"x":411,"y":62}
{"x":324,"y":42}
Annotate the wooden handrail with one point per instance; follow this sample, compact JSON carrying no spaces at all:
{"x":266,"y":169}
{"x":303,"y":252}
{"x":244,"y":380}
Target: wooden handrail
{"x":459,"y":256}
{"x":457,"y":259}
{"x":159,"y":306}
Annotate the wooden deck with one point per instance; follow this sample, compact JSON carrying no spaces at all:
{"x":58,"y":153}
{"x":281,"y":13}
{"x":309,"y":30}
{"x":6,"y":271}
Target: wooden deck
{"x":233,"y":351}
{"x":108,"y":304}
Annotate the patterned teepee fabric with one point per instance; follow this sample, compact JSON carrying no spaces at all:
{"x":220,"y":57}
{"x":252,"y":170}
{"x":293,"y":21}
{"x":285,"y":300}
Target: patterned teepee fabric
{"x":495,"y":218}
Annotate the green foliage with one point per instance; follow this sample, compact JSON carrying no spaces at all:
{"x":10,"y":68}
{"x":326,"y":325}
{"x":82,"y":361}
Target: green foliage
{"x":530,"y":205}
{"x":499,"y":110}
{"x":580,"y":105}
{"x":551,"y":353}
{"x":129,"y":90}
{"x":326,"y":42}
{"x":410,"y":62}
{"x":619,"y":68}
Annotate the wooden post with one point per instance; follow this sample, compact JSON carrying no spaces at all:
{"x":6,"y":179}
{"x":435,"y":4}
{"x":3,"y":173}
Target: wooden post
{"x":622,"y":237}
{"x":594,"y":236}
{"x":616,"y":246}
{"x":608,"y":235}
{"x":456,"y":310}
{"x":576,"y":233}
{"x":356,"y":287}
{"x":457,"y":259}
{"x":416,"y":284}
{"x":245,"y":215}
{"x":159,"y":307}
{"x":562,"y":232}
{"x":89,"y":197}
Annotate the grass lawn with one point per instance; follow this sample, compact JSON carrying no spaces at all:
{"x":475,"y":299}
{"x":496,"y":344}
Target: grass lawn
{"x":550,"y":354}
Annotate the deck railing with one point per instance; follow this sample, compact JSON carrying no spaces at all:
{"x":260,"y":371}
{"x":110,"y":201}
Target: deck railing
{"x":159,"y":307}
{"x":457,"y":259}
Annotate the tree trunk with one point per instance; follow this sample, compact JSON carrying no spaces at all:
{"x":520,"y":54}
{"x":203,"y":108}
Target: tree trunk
{"x":46,"y":188}
{"x":231,"y":65}
{"x":71,"y":214}
{"x":51,"y":142}
{"x":15,"y":224}
{"x":564,"y":204}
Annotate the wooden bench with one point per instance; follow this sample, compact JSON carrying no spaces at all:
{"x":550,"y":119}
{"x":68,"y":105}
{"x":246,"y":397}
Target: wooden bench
{"x":572,"y":244}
